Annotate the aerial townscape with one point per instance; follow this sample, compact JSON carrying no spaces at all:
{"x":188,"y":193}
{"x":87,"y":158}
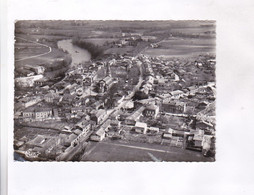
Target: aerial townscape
{"x":115,"y":91}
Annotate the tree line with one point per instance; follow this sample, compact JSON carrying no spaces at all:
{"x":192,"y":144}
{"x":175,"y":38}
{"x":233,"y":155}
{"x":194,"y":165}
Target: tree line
{"x":95,"y":50}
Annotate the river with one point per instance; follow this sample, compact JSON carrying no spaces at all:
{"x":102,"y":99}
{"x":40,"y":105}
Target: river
{"x":78,"y":54}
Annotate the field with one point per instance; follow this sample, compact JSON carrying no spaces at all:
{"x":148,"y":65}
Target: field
{"x":117,"y":151}
{"x":30,"y":51}
{"x":183,"y":38}
{"x":182,"y":47}
{"x":100,"y":41}
{"x":29,"y":133}
{"x":122,"y":50}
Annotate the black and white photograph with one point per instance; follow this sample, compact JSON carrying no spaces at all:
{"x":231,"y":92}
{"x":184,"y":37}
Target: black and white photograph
{"x":115,"y":90}
{"x":126,"y":97}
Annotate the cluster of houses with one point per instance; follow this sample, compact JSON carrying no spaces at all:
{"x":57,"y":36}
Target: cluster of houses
{"x":81,"y":98}
{"x":27,"y":75}
{"x":131,"y":39}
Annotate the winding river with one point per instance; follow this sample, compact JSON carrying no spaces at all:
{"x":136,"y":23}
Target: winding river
{"x":78,"y":54}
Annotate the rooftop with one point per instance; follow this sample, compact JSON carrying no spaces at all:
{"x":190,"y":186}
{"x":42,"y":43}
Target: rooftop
{"x":141,"y":124}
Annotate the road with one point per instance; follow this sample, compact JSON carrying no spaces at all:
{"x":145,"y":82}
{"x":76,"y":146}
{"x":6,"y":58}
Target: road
{"x":149,"y":47}
{"x":125,"y":101}
{"x":71,"y":151}
{"x":30,"y":57}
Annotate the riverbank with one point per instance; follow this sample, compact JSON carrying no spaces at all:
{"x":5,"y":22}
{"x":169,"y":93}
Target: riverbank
{"x":77,"y":54}
{"x":95,"y":50}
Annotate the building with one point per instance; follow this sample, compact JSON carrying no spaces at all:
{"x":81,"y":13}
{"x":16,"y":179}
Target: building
{"x":35,"y":68}
{"x":153,"y":129}
{"x":105,"y":84}
{"x":28,"y":113}
{"x":41,"y":82}
{"x":167,"y":135}
{"x":131,"y":119}
{"x":84,"y":125}
{"x":42,"y":113}
{"x":50,"y":97}
{"x":114,"y":124}
{"x":129,"y":105}
{"x":98,"y":116}
{"x":29,"y":101}
{"x":177,"y":94}
{"x":141,"y":127}
{"x":173,"y":107}
{"x":151,"y":111}
{"x":98,"y":135}
{"x":148,"y":38}
{"x":194,"y":140}
{"x":27,"y":81}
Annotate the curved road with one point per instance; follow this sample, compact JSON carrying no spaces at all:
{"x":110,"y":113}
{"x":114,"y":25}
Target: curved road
{"x":50,"y":49}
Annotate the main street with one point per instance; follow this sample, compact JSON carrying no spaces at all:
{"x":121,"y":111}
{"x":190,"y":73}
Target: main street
{"x":71,"y":151}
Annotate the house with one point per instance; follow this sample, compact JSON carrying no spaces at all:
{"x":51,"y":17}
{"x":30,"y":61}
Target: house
{"x":201,"y":124}
{"x":28,"y":113}
{"x":75,"y":110}
{"x":38,"y":113}
{"x":115,"y":124}
{"x":150,"y":79}
{"x":148,"y":38}
{"x":98,"y":105}
{"x":29,"y":101}
{"x":77,"y":130}
{"x":167,"y":135}
{"x":151,"y":111}
{"x":100,"y":134}
{"x":71,"y":138}
{"x":43,"y":113}
{"x":177,"y":94}
{"x":153,"y":129}
{"x":131,"y":119}
{"x":67,"y":99}
{"x":77,"y":102}
{"x":84,"y":124}
{"x":173,"y":107}
{"x":140,"y":127}
{"x":98,"y":116}
{"x":37,"y":69}
{"x":198,"y":138}
{"x":27,"y":81}
{"x":129,"y":105}
{"x":50,"y":97}
{"x":79,"y":91}
{"x":41,"y":82}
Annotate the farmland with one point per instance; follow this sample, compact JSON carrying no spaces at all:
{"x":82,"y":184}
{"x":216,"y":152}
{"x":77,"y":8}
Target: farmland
{"x":174,"y":38}
{"x":182,"y":47}
{"x":126,"y":151}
